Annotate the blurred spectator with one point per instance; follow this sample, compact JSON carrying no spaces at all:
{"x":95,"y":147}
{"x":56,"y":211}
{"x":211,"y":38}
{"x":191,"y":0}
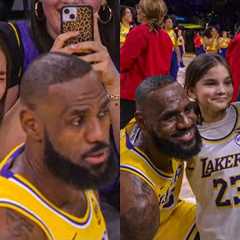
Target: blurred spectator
{"x":147,"y":52}
{"x":223,"y":43}
{"x":233,"y":60}
{"x":198,"y":43}
{"x":210,"y":40}
{"x":126,"y":19}
{"x":181,"y":45}
{"x":176,"y":56}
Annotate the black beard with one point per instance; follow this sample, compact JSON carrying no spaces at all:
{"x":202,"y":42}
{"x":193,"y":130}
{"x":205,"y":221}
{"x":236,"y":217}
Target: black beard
{"x":177,"y":150}
{"x":80,"y":177}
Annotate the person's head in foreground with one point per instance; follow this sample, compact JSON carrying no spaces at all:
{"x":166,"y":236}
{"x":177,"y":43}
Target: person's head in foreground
{"x":66,"y":120}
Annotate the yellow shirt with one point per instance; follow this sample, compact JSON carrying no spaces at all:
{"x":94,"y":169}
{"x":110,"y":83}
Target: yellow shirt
{"x":224,"y":42}
{"x":166,"y":186}
{"x":18,"y":194}
{"x":212,"y":45}
{"x":173,"y":36}
{"x":123,"y":33}
{"x":180,"y":41}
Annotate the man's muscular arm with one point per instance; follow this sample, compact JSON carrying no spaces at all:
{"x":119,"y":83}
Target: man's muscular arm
{"x":139,"y":209}
{"x":16,"y":227}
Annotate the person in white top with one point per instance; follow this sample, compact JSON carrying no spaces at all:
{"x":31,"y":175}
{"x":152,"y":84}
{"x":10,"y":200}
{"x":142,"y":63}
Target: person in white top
{"x":214,"y":174}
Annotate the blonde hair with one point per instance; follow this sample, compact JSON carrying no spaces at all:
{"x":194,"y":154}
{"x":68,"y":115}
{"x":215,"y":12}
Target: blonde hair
{"x":153,"y":12}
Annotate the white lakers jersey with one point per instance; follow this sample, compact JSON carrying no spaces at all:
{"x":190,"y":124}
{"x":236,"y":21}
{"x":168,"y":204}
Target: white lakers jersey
{"x":214,"y":176}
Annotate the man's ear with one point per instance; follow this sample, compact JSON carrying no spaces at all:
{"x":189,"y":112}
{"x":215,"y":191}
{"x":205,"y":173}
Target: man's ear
{"x":31,"y":124}
{"x":140,"y":119}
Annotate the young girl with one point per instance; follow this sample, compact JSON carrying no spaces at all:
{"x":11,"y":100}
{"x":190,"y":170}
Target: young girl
{"x":215,"y":173}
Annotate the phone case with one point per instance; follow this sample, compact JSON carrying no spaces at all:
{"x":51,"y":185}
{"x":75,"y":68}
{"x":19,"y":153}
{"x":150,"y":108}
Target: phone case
{"x":78,"y":18}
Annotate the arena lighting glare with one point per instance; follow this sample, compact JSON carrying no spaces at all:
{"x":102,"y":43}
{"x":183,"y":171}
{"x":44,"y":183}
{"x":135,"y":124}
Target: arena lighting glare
{"x":179,"y":18}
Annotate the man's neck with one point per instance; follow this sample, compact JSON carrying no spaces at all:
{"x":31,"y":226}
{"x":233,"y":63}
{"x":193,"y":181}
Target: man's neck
{"x":30,"y":166}
{"x":160,"y":160}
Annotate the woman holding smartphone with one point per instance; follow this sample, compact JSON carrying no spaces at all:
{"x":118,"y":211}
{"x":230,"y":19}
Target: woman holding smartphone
{"x":44,"y":34}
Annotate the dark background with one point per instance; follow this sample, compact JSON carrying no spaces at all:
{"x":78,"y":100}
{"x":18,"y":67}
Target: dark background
{"x":223,"y":13}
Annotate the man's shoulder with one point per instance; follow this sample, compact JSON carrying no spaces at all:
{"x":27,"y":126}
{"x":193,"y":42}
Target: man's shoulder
{"x":138,"y":199}
{"x":15,"y":226}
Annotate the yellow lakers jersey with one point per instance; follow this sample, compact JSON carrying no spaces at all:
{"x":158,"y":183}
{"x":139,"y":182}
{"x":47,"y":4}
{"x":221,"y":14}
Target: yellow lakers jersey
{"x":123,"y":33}
{"x":212,"y":46}
{"x":20,"y":195}
{"x":133,"y":160}
{"x":224,"y":42}
{"x":173,"y":37}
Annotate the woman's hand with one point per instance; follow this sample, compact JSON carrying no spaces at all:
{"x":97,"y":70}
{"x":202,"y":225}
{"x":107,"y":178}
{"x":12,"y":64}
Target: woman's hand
{"x":59,"y":44}
{"x":101,"y":62}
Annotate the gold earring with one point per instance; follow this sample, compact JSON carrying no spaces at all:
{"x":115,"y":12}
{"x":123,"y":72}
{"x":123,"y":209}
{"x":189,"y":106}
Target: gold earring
{"x":38,"y":11}
{"x":105,"y":14}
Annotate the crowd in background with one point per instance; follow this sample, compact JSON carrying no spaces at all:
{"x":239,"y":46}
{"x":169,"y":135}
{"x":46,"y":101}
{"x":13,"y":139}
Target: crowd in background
{"x":209,"y":40}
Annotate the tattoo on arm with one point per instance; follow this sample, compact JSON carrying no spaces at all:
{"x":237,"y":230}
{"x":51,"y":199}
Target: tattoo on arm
{"x":14,"y":226}
{"x":140,"y":213}
{"x":18,"y":226}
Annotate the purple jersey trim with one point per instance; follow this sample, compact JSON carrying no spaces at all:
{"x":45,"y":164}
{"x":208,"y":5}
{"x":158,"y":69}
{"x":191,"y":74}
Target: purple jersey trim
{"x":30,"y":50}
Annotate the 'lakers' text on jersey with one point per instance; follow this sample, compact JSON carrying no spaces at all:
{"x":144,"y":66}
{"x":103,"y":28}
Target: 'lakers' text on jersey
{"x":18,"y":194}
{"x":165,"y":186}
{"x":215,"y":178}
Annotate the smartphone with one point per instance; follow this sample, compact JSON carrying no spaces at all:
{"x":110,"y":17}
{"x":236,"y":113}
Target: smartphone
{"x":78,"y":18}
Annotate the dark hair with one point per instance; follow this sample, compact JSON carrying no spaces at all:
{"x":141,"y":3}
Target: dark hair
{"x":166,"y":18}
{"x":41,"y":37}
{"x":198,"y":68}
{"x":4,"y":48}
{"x":48,"y":69}
{"x":13,"y":51}
{"x":123,"y":11}
{"x":109,"y":32}
{"x":150,"y":85}
{"x":207,"y":32}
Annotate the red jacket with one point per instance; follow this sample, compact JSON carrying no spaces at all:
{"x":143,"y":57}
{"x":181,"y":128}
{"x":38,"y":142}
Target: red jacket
{"x":233,"y":59}
{"x":143,"y":54}
{"x":197,"y":41}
